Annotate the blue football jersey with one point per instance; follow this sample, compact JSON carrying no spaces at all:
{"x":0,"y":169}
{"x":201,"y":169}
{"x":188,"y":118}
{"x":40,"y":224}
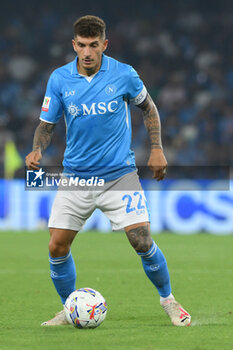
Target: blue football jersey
{"x":97,"y":117}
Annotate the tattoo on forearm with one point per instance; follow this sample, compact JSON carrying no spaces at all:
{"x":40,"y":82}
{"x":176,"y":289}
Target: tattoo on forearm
{"x":140,"y":238}
{"x":43,"y":135}
{"x":152,"y":121}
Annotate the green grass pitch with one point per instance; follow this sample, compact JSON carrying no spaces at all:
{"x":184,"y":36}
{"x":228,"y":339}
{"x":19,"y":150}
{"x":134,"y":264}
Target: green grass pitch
{"x":201,"y":274}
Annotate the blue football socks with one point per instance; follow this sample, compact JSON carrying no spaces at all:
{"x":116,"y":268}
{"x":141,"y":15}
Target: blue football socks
{"x":63,"y":274}
{"x":155,"y":266}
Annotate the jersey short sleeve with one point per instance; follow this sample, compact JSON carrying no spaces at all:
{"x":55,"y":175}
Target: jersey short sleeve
{"x":136,"y":90}
{"x":52,"y":109}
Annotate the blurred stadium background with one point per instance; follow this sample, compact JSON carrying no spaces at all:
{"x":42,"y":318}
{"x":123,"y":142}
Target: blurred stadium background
{"x":182,"y":51}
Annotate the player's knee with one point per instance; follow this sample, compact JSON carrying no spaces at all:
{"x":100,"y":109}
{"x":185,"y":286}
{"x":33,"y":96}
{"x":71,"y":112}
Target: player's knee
{"x":143,"y":247}
{"x":140,"y":238}
{"x":57,"y":249}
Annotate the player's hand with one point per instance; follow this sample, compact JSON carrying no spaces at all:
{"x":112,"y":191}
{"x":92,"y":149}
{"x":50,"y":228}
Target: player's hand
{"x":32,"y":160}
{"x":158,"y":164}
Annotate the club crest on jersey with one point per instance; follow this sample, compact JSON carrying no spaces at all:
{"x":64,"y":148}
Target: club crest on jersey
{"x":94,"y":109}
{"x":46,"y":103}
{"x":110,"y":89}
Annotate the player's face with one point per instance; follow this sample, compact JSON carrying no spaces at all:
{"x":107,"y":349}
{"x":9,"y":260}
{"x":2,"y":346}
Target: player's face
{"x":89,"y":51}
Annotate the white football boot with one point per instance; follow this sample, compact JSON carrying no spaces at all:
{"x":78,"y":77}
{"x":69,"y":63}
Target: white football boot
{"x":177,"y":314}
{"x":58,"y":320}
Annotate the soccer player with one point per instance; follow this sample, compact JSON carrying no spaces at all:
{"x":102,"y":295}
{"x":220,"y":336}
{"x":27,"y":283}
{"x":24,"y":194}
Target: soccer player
{"x":94,"y":92}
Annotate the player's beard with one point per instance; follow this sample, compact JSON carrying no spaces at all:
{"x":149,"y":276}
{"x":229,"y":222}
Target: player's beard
{"x":91,"y":68}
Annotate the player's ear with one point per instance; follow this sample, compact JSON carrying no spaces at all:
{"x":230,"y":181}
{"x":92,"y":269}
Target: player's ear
{"x":74,"y":45}
{"x":105,"y":44}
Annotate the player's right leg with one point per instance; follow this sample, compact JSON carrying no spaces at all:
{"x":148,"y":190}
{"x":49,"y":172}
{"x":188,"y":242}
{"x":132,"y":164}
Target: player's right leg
{"x":69,"y":212}
{"x":62,"y":269}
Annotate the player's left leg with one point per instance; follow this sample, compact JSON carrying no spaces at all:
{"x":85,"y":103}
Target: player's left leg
{"x":124,"y":203}
{"x":155,"y":267}
{"x":153,"y":260}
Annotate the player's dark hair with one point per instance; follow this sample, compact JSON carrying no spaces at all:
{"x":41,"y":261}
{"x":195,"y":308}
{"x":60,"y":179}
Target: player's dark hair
{"x":89,"y":27}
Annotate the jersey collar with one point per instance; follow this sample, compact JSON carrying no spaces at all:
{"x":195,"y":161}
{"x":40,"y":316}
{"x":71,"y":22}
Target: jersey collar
{"x":104,"y":65}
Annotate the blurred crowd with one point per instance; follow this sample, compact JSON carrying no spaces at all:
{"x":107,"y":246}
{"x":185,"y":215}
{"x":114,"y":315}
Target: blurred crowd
{"x":182,"y":53}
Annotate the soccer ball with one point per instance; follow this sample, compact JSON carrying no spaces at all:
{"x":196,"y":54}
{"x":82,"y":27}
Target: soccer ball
{"x":85,"y":308}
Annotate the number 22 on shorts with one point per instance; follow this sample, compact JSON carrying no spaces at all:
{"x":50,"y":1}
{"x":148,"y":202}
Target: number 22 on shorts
{"x":140,"y":208}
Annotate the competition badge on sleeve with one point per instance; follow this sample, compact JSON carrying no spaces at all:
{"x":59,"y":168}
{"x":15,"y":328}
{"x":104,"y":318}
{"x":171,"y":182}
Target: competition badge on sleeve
{"x":45,"y":106}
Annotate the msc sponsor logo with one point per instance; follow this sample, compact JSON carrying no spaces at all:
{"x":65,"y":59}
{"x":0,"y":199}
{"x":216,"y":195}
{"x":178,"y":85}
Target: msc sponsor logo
{"x":93,"y":109}
{"x":73,"y":110}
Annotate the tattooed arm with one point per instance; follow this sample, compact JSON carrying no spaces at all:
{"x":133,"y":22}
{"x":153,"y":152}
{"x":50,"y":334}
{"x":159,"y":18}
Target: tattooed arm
{"x":42,"y":138}
{"x":157,"y":161}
